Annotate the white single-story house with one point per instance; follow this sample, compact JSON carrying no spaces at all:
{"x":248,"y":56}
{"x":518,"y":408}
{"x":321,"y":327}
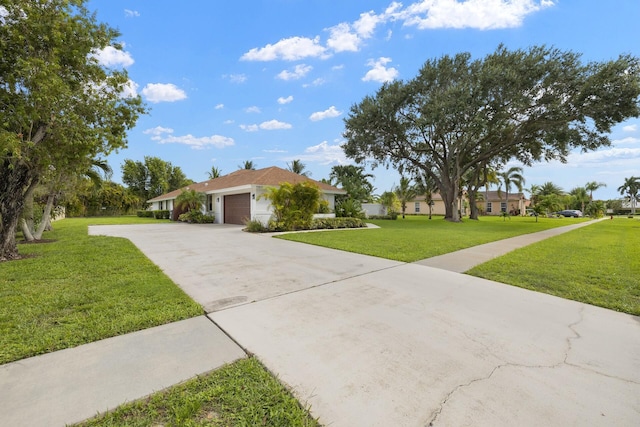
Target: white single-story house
{"x":238,"y":197}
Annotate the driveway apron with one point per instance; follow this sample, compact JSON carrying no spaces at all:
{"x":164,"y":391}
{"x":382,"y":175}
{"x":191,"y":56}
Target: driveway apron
{"x":365,"y":341}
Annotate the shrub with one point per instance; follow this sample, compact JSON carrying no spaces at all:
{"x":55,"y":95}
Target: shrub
{"x":162,"y":214}
{"x":349,"y":208}
{"x":294,"y":205}
{"x":145,"y":214}
{"x":391,"y":215}
{"x":333,"y":223}
{"x":324,"y":207}
{"x":255,"y":226}
{"x":196,"y":217}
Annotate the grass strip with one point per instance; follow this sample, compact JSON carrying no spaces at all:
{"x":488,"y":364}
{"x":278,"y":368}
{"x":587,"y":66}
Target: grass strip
{"x":598,"y":264}
{"x":243,"y":393}
{"x":78,"y":289}
{"x":417,"y":237}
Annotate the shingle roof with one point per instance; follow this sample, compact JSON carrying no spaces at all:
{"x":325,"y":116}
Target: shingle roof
{"x":268,"y":176}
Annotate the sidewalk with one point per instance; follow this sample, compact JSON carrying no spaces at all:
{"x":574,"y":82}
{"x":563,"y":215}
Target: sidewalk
{"x":71,"y":385}
{"x":465,"y":259}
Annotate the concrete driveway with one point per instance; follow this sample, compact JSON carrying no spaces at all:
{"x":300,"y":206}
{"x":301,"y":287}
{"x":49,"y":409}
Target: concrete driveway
{"x":370,"y":342}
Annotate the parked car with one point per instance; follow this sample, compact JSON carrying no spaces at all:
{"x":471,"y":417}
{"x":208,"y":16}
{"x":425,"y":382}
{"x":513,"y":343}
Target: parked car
{"x":570,"y":213}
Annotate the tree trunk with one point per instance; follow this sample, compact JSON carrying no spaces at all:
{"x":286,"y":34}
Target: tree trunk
{"x":450,"y":199}
{"x":16,"y":181}
{"x":26,"y":231}
{"x":46,"y":216}
{"x":473,"y":207}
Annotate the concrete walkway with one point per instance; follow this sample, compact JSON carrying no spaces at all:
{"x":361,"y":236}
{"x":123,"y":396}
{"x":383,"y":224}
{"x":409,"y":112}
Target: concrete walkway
{"x":362,"y":340}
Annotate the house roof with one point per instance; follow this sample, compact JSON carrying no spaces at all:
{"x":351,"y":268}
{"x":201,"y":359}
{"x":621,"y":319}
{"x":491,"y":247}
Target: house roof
{"x":272,"y":176}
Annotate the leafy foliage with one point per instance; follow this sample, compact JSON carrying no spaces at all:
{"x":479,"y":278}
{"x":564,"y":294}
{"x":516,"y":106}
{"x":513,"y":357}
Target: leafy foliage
{"x":294,"y":205}
{"x":196,"y":217}
{"x":458,"y":113}
{"x":190,"y":200}
{"x":153,"y":177}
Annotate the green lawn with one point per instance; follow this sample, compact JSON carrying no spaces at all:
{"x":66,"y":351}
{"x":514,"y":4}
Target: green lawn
{"x":79,"y":288}
{"x":417,"y":237}
{"x":598,"y":264}
{"x":240,"y":394}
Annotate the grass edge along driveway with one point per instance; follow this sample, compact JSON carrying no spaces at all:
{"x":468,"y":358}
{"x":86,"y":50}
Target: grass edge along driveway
{"x":76,"y":289}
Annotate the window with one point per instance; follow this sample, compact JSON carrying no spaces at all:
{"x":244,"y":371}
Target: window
{"x":503,"y":206}
{"x":161,"y":205}
{"x":417,"y":207}
{"x":210,"y":202}
{"x":488,"y":207}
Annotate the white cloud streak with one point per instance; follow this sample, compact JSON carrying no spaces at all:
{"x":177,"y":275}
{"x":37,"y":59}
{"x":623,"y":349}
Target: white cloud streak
{"x":163,"y":92}
{"x":112,"y":57}
{"x":379,"y":72}
{"x":164,"y":135}
{"x":268,"y":125}
{"x":326,"y":114}
{"x":298,"y":72}
{"x":324,"y":154}
{"x":286,"y":100}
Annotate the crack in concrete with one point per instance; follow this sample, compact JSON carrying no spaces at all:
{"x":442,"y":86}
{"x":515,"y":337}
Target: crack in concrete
{"x":436,"y":414}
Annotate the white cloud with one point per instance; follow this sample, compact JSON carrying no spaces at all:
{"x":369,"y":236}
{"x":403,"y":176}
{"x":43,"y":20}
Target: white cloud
{"x":249,"y":128}
{"x":236,"y":78}
{"x":274,"y":125}
{"x":275,"y":150}
{"x":228,"y":122}
{"x":478,"y":14}
{"x":298,"y":72}
{"x":317,"y":82}
{"x":165,"y":136}
{"x":128,"y":13}
{"x":630,"y":128}
{"x":609,"y":158}
{"x":326,"y":114}
{"x":163,"y":92}
{"x":342,"y":39}
{"x":337,"y":67}
{"x":269,"y":125}
{"x":252,"y":109}
{"x":366,"y":25}
{"x":291,"y":49}
{"x":324,"y":154}
{"x":112,"y":57}
{"x":219,"y":106}
{"x":286,"y":100}
{"x":630,"y":140}
{"x":130,"y":89}
{"x":379,"y":72}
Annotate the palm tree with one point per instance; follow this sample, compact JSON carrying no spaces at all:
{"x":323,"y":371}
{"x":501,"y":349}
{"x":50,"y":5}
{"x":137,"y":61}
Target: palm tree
{"x":353,"y":180}
{"x":511,"y":176}
{"x":425,"y":185}
{"x":214,"y":173}
{"x":296,"y":166}
{"x":534,"y":193}
{"x":405,"y":193}
{"x":631,"y":187}
{"x":549,"y":188}
{"x":593,"y":186}
{"x":580,"y":195}
{"x":190,"y":200}
{"x":248,"y":164}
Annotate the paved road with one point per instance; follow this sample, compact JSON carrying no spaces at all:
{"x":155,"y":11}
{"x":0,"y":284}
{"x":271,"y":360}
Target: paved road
{"x":371,"y":342}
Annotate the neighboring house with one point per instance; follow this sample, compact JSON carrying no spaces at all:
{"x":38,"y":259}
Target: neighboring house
{"x":495,"y":202}
{"x":494,"y":205}
{"x":238,"y":196}
{"x":419,"y":206}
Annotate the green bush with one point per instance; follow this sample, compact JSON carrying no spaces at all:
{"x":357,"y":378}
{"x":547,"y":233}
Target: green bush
{"x":162,"y":214}
{"x":294,"y":205}
{"x":145,"y":214}
{"x":348,"y":208}
{"x":255,"y":226}
{"x":196,"y":217}
{"x":390,"y":215}
{"x":316,"y":224}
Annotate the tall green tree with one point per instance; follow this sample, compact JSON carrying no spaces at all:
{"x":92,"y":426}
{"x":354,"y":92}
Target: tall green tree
{"x":529,"y":105}
{"x":353,"y":180}
{"x":580,"y":195}
{"x":248,"y":164}
{"x":593,"y":186}
{"x":512,"y":176}
{"x":630,"y":189}
{"x":153,"y":177}
{"x":549,"y":188}
{"x":405,"y":193}
{"x":214,"y":172}
{"x":296,"y":166}
{"x":60,"y":106}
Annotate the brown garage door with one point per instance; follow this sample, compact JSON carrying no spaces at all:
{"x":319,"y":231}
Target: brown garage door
{"x":237,"y":208}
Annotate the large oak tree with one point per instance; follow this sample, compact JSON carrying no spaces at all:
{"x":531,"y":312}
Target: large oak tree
{"x":460,"y":114}
{"x":60,"y":108}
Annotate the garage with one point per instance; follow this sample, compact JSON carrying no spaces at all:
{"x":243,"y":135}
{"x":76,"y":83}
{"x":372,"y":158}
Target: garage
{"x":237,"y":208}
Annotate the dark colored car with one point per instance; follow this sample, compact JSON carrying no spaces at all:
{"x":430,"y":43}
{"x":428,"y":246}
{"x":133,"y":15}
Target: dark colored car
{"x":570,"y":213}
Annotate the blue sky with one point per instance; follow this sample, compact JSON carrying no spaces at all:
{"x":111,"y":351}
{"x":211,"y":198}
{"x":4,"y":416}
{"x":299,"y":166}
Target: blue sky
{"x":272,"y":80}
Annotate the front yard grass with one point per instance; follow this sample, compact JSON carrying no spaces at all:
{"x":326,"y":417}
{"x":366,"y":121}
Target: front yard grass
{"x":417,"y":237}
{"x":239,"y":394}
{"x":77,"y":289}
{"x":598,"y":264}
